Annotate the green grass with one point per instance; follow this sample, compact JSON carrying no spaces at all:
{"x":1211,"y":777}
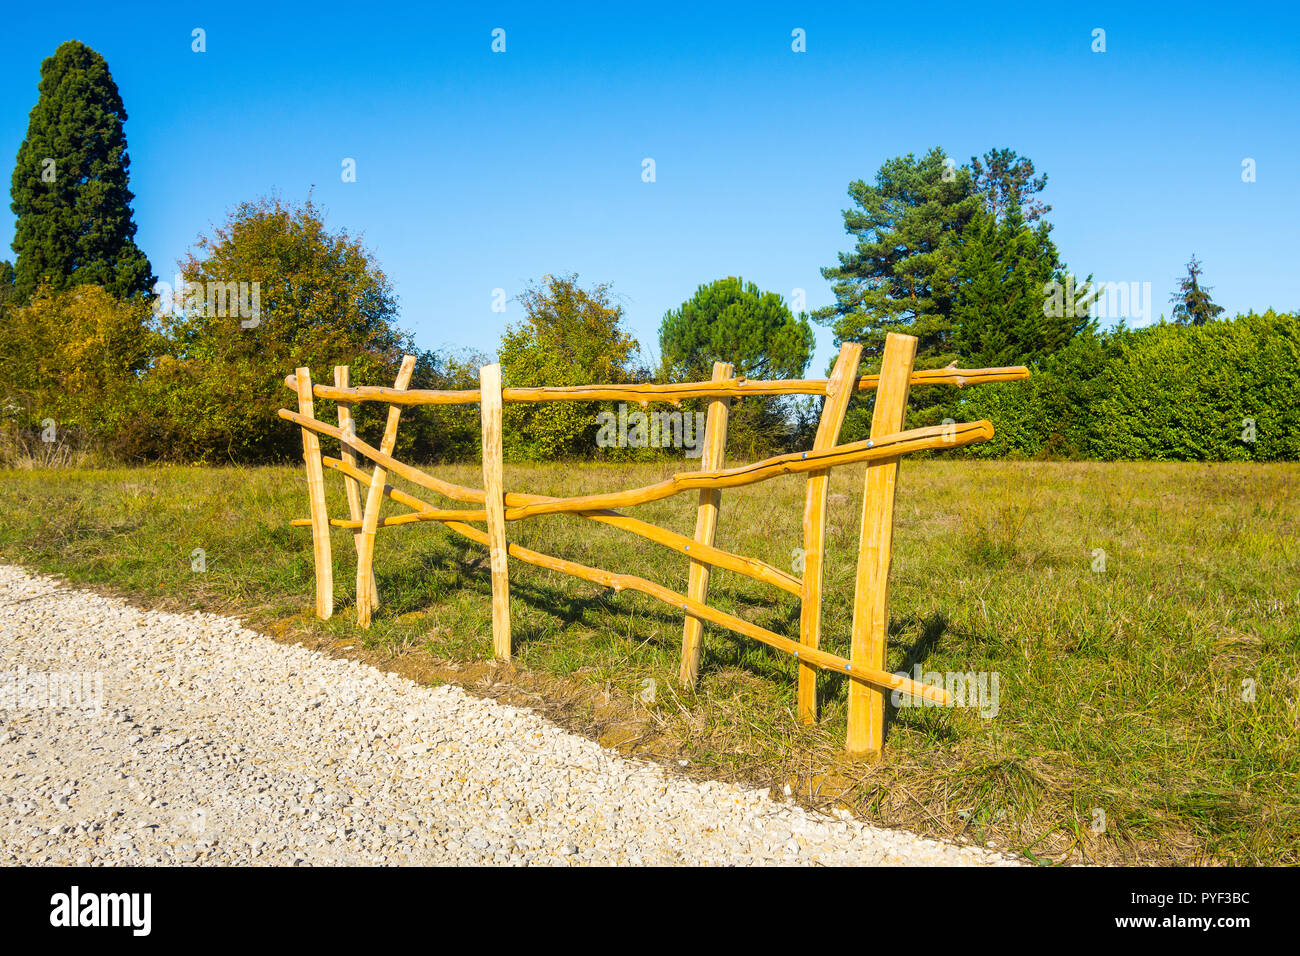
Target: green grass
{"x":1120,"y":691}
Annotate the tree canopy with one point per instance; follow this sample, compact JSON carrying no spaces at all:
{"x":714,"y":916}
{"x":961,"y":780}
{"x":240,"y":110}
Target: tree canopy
{"x":569,"y":336}
{"x":74,"y":357}
{"x":70,"y":191}
{"x":998,"y":313}
{"x":955,"y":255}
{"x":321,"y":299}
{"x":899,"y":275}
{"x":730,"y":320}
{"x":1007,"y":182}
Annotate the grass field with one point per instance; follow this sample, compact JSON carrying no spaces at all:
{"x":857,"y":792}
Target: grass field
{"x":1124,"y":691}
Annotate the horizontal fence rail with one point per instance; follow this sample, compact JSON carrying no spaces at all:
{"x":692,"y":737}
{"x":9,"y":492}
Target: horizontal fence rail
{"x":487,"y":524}
{"x":735,"y":388}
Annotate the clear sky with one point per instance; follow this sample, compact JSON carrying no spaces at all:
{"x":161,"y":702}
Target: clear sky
{"x":478,"y":170}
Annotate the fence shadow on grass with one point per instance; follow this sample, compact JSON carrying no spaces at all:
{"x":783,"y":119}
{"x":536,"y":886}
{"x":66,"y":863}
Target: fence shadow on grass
{"x":933,"y":629}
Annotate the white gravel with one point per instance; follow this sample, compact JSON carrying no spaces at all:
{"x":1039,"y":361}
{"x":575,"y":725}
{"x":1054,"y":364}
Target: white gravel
{"x":212,"y":743}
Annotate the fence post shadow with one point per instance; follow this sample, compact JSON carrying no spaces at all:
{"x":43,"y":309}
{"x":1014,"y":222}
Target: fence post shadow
{"x":932,"y":632}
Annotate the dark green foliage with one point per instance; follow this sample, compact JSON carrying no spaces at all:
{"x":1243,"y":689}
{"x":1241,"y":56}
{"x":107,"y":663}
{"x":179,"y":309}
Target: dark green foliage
{"x":1049,"y":415}
{"x":947,"y":254}
{"x":899,"y":275}
{"x":1189,"y":394}
{"x":1192,"y":303}
{"x":70,"y":184}
{"x":999,"y":316}
{"x":7,"y":277}
{"x":730,"y":320}
{"x":1225,"y":391}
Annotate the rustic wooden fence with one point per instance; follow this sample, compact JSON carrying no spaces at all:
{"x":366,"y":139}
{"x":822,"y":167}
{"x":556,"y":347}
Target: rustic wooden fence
{"x":865,"y":665}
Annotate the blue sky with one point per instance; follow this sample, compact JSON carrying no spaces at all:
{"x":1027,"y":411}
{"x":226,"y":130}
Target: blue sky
{"x":478,"y":170}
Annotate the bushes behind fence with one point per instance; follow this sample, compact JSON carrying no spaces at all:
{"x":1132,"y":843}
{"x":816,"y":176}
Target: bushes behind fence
{"x":1223,"y":391}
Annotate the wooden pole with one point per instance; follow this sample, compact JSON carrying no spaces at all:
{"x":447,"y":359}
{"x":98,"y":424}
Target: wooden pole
{"x":350,"y":485}
{"x":839,"y":391}
{"x":375,"y":500}
{"x":866,"y":732}
{"x":320,"y":519}
{"x":495,"y":504}
{"x":712,"y":456}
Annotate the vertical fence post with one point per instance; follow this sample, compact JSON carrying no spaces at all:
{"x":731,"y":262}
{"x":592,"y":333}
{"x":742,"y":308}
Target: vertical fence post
{"x":712,"y":455}
{"x":375,"y":500}
{"x":839,"y":390}
{"x":350,"y":484}
{"x":320,"y":519}
{"x":866,"y":733}
{"x":494,"y":489}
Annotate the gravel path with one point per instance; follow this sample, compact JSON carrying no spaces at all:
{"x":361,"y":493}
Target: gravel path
{"x":141,"y":737}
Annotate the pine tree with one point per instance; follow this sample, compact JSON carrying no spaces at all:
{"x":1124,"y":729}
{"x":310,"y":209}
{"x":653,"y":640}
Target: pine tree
{"x":70,"y":183}
{"x":732,"y":320}
{"x":998,"y":315}
{"x":947,"y":253}
{"x":1006,"y":181}
{"x":1192,"y":302}
{"x":898,"y":277}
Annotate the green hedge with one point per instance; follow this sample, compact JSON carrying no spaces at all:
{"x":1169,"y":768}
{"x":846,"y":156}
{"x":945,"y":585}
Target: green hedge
{"x":1163,"y":393}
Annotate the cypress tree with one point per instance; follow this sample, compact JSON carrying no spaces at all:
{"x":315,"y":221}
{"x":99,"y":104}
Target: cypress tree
{"x":70,"y":183}
{"x":998,"y":313}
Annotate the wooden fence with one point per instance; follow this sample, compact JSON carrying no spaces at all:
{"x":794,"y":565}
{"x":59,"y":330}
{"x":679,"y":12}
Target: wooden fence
{"x":865,"y":665}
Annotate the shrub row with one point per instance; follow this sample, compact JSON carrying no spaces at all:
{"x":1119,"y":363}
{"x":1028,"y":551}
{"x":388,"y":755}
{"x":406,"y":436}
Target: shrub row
{"x":1223,"y":391}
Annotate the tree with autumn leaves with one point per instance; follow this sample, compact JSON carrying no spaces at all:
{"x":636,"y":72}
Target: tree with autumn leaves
{"x":216,"y":385}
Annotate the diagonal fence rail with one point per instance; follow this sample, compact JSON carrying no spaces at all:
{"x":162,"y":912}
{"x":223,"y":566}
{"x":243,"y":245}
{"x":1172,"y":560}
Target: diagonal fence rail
{"x":486,"y":524}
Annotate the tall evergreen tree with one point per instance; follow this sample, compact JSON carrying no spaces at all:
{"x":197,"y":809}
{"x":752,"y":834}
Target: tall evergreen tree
{"x":998,"y":314}
{"x":898,"y":277}
{"x":70,"y":183}
{"x":948,"y":254}
{"x":1192,"y":302}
